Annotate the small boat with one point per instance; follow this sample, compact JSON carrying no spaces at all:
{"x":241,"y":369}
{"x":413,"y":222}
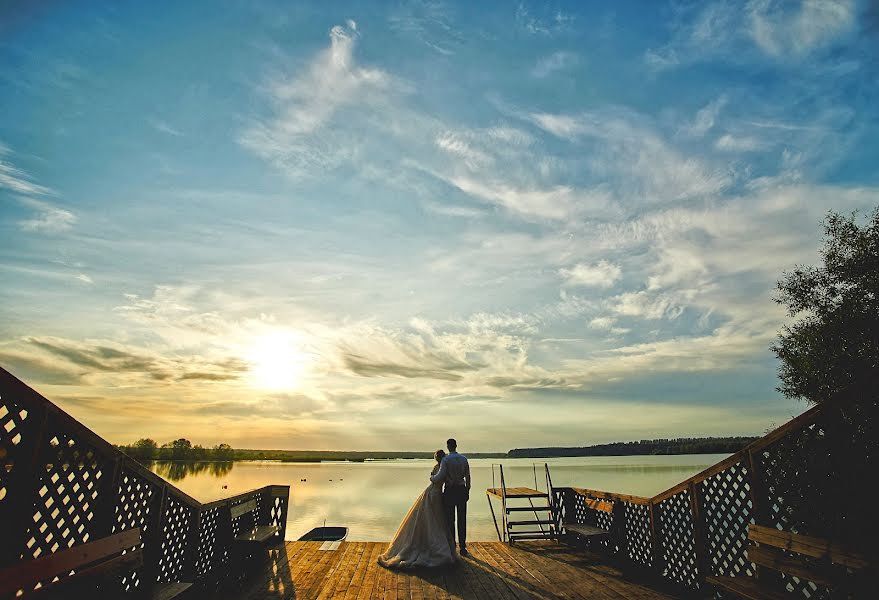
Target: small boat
{"x":325,"y":534}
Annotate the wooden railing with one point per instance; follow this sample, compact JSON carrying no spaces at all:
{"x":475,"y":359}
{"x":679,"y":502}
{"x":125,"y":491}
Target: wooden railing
{"x":700,"y":526}
{"x":63,"y":485}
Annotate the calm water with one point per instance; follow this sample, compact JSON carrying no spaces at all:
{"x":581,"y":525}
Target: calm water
{"x":372,"y":497}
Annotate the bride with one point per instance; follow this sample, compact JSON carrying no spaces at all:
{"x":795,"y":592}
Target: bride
{"x":423,"y":538}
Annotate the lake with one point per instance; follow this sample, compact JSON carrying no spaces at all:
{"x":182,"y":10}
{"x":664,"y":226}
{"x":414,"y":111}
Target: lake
{"x":372,"y":497}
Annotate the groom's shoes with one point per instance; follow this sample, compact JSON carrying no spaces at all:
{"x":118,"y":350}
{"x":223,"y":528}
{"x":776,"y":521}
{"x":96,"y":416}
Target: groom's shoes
{"x":464,"y":552}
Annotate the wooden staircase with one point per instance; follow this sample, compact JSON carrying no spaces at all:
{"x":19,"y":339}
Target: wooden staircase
{"x":536,"y":521}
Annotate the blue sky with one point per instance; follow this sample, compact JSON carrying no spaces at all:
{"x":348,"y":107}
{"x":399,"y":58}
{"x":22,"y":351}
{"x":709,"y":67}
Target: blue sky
{"x":374,"y":225}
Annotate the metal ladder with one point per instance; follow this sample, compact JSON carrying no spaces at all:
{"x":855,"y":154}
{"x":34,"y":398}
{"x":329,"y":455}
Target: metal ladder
{"x":541,"y":505}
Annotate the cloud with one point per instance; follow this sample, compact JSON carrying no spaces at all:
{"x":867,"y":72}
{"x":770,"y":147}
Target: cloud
{"x":557,"y":61}
{"x":724,"y":30}
{"x":638,"y":162}
{"x":84,"y":278}
{"x":730,"y":143}
{"x":120,"y":362}
{"x":295,"y":137}
{"x":164,"y":127}
{"x":545,"y":21}
{"x":780,"y":29}
{"x":602,"y":274}
{"x":705,"y":118}
{"x":16,"y":180}
{"x":48,"y":219}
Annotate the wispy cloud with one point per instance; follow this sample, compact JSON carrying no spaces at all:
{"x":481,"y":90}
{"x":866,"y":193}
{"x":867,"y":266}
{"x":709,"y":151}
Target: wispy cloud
{"x":48,"y":219}
{"x":557,"y":61}
{"x":16,"y":180}
{"x":784,"y":31}
{"x":293,"y":137}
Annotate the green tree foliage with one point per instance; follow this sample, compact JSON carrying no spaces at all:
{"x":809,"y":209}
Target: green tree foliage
{"x":177,"y":450}
{"x":830,"y":355}
{"x":832,"y":351}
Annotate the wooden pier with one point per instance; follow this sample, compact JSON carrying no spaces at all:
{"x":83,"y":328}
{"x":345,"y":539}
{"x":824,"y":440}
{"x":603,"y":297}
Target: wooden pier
{"x":535,"y":569}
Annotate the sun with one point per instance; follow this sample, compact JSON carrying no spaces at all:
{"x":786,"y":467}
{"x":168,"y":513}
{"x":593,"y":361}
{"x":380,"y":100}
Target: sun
{"x":277,"y":361}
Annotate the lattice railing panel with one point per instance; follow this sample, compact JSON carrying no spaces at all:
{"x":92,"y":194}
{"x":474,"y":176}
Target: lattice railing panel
{"x":61,"y":486}
{"x":727,"y":510}
{"x":795,"y":500}
{"x":211,"y":549}
{"x":175,"y":540}
{"x":138,"y":502}
{"x":17,"y":439}
{"x":639,"y":537}
{"x":67,"y":490}
{"x":678,"y":541}
{"x":278,"y":514}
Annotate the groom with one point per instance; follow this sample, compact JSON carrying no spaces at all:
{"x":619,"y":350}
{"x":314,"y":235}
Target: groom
{"x":454,"y":471}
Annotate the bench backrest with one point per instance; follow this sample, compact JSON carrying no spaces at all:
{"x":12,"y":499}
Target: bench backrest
{"x":243,"y":508}
{"x":808,"y":545}
{"x":816,"y":559}
{"x":91,"y":557}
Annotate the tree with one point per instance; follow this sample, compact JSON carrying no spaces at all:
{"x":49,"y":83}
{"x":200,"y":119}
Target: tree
{"x":223,"y":452}
{"x":180,"y":449}
{"x":833,"y":350}
{"x":144,"y":449}
{"x":831,"y":355}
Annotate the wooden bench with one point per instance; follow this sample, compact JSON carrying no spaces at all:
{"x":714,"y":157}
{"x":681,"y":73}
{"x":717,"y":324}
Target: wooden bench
{"x":590,"y":531}
{"x":75,"y":571}
{"x":826,"y":564}
{"x":255,"y":533}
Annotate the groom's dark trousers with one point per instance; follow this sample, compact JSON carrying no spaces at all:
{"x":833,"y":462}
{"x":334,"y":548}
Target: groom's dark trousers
{"x":455,"y":499}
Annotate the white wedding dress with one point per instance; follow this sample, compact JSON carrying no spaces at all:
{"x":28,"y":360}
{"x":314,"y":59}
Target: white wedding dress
{"x":423,"y":539}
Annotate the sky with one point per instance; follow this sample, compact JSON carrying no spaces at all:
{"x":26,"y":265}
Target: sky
{"x":356,"y":225}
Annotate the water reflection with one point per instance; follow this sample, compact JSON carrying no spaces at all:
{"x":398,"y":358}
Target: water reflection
{"x":178,"y":470}
{"x":372,"y":497}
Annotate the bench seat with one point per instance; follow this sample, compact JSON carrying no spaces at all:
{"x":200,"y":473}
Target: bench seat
{"x":259,"y":534}
{"x":586,"y":530}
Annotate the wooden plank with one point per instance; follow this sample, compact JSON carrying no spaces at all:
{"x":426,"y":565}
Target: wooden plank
{"x":586,"y":530}
{"x":372,"y":568}
{"x":517,"y":492}
{"x":612,"y":496}
{"x":169,"y":591}
{"x":338,"y":571}
{"x":319,"y":565}
{"x":766,"y":556}
{"x":355,"y":573}
{"x":809,"y":545}
{"x":513,"y":588}
{"x":28,"y":573}
{"x":747,"y":588}
{"x":259,"y":534}
{"x":494,"y":587}
{"x":237,"y":510}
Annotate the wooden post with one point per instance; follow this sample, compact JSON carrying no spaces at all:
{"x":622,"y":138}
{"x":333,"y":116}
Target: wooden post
{"x":656,"y":537}
{"x":759,"y":507}
{"x":105,"y":507}
{"x":190,"y":570}
{"x":152,"y":552}
{"x":618,"y":534}
{"x":699,"y":533}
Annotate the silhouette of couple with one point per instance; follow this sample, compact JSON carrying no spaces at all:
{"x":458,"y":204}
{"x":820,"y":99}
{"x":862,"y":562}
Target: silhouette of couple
{"x":426,"y":537}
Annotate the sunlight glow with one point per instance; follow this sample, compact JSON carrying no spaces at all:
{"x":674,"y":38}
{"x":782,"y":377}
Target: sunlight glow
{"x":277,"y":361}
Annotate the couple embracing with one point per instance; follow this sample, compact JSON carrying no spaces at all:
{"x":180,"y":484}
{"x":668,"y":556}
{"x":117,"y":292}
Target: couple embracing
{"x":426,"y":537}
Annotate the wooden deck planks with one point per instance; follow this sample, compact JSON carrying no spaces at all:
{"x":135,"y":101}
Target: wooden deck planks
{"x":541,"y":570}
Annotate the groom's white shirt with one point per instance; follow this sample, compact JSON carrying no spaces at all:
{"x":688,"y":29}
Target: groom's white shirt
{"x":454,"y":470}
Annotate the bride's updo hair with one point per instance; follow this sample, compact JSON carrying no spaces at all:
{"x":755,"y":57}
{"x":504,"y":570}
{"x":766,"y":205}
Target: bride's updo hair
{"x":438,"y":455}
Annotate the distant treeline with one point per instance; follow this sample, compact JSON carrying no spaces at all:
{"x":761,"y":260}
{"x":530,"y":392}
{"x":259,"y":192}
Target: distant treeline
{"x":320,"y":455}
{"x":702,"y":445}
{"x":180,"y":449}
